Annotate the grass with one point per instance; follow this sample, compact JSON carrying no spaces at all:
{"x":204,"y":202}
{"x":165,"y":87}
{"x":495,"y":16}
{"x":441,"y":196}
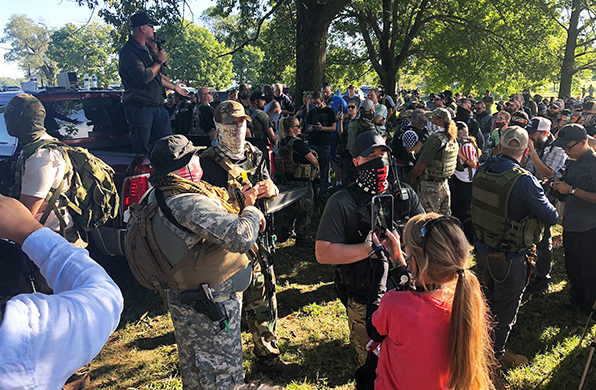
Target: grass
{"x":313,"y":331}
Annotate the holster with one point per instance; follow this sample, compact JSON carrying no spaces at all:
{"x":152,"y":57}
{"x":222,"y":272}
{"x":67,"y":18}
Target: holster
{"x":202,"y":301}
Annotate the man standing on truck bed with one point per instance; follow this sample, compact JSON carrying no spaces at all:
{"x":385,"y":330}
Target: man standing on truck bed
{"x":143,"y":83}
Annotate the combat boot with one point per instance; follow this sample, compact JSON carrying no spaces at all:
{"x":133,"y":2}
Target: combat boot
{"x":511,"y":360}
{"x":281,"y":368}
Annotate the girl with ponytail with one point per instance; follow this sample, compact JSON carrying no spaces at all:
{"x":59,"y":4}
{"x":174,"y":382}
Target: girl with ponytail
{"x":436,"y":337}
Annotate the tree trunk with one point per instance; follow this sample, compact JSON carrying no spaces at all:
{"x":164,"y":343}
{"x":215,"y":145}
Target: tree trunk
{"x":568,"y":67}
{"x":313,"y":19}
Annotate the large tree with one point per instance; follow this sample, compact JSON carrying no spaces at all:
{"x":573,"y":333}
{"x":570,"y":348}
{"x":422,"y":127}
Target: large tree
{"x":194,"y":56}
{"x":576,"y":18}
{"x":86,"y":49}
{"x":29,"y":42}
{"x":464,"y":41}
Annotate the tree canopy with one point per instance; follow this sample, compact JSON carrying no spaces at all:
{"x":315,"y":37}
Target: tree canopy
{"x":86,"y":49}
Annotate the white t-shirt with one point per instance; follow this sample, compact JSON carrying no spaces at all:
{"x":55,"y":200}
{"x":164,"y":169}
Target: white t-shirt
{"x":44,"y":171}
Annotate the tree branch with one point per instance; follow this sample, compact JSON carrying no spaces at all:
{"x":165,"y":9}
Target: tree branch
{"x":257,"y":32}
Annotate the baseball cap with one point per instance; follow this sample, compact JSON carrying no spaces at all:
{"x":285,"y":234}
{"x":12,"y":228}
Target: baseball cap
{"x":141,"y":19}
{"x":538,"y":123}
{"x":439,"y":113}
{"x":366,"y":143}
{"x":520,"y":118}
{"x":589,"y":106}
{"x":367,"y":105}
{"x":228,"y":111}
{"x":257,"y":95}
{"x":410,"y":139}
{"x":556,"y":104}
{"x":569,"y":133}
{"x":170,"y":153}
{"x":514,"y":138}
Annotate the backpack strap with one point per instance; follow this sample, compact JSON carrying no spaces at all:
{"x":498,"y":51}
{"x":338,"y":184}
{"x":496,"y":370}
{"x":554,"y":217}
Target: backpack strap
{"x":167,"y":212}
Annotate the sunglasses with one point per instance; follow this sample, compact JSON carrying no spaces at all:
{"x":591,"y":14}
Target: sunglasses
{"x":569,"y":147}
{"x":428,"y":225}
{"x":351,"y":106}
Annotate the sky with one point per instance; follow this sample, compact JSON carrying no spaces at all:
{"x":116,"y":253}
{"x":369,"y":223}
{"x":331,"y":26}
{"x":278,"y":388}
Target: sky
{"x":56,"y":13}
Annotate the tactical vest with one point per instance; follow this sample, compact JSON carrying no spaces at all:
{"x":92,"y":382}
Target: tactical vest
{"x":443,"y":166}
{"x":160,"y":259}
{"x":285,"y":163}
{"x":490,"y":199}
{"x":238,"y":173}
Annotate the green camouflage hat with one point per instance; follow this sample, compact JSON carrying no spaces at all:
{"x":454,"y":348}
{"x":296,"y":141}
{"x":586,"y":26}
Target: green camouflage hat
{"x":439,"y":113}
{"x":228,"y":111}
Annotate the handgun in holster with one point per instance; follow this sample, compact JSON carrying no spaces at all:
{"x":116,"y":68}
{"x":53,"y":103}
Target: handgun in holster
{"x":202,"y":301}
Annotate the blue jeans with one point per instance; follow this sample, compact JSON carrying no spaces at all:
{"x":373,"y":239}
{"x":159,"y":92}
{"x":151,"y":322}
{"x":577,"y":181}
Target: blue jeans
{"x":147,"y":125}
{"x":323,"y":158}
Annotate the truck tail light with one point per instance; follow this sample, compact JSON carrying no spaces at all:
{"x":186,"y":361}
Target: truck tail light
{"x":134,"y":189}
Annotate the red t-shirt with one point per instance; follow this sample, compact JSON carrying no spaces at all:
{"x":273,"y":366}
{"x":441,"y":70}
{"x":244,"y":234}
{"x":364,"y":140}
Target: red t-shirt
{"x":415,"y":353}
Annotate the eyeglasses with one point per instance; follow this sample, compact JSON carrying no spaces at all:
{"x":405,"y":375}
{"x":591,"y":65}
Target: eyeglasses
{"x":569,"y":147}
{"x":428,"y":225}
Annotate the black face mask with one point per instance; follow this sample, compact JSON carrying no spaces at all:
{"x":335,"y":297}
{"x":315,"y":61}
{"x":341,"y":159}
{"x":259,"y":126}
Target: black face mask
{"x":372,"y":176}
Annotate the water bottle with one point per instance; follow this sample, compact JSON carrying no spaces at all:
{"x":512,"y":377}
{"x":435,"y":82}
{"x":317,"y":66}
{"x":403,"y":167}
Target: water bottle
{"x":87,"y":81}
{"x":93,"y":81}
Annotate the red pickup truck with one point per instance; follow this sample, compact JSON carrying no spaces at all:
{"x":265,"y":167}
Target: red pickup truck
{"x":93,"y":119}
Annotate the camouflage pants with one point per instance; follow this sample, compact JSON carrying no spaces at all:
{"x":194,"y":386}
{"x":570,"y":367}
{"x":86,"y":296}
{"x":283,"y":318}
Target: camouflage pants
{"x":210,"y":358}
{"x":260,"y":324}
{"x":435,"y":196}
{"x":357,"y":323}
{"x":297,"y":216}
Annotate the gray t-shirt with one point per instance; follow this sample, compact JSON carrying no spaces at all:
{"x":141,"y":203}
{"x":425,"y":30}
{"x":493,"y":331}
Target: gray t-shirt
{"x":580,"y":215}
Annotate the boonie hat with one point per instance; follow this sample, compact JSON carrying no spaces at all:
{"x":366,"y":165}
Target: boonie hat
{"x":367,"y":105}
{"x":538,"y":123}
{"x":228,"y":111}
{"x":170,"y":153}
{"x":569,"y":133}
{"x":514,"y":138}
{"x":141,"y":19}
{"x":366,"y":143}
{"x":439,"y":113}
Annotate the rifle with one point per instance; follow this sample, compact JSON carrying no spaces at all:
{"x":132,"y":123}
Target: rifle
{"x":266,"y":239}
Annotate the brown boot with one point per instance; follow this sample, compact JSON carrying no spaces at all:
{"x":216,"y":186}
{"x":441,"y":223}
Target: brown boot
{"x":499,"y":380}
{"x":79,"y":380}
{"x":289,"y":370}
{"x":512,"y":360}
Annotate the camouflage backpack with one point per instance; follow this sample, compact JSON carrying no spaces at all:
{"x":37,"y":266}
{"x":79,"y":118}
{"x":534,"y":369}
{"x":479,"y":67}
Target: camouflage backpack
{"x":92,"y":198}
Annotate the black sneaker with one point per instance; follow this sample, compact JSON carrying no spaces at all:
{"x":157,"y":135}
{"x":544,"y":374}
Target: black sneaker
{"x":538,"y":285}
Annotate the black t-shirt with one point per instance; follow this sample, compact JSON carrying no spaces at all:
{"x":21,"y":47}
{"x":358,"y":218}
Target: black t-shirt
{"x":325,"y":116}
{"x":206,"y":122}
{"x":340,"y":219}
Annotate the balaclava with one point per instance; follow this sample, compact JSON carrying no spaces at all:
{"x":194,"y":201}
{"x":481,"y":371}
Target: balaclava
{"x":24,"y":117}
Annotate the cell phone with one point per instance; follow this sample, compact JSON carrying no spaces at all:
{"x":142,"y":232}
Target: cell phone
{"x":381,"y":214}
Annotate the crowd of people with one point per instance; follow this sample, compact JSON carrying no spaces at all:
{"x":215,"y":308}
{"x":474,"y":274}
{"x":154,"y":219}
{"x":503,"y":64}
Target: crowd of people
{"x":419,"y":186}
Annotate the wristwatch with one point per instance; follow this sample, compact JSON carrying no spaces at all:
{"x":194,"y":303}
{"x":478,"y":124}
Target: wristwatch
{"x":572,"y":190}
{"x":158,"y":62}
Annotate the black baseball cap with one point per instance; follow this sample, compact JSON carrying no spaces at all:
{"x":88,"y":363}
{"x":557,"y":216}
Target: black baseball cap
{"x":257,"y":95}
{"x":141,"y":19}
{"x":366,"y":143}
{"x":570,"y":133}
